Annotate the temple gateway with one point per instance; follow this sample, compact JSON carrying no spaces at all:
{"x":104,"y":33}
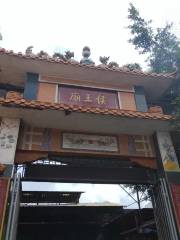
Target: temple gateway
{"x":67,"y":122}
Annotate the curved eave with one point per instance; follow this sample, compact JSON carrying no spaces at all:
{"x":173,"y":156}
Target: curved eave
{"x":38,"y":105}
{"x":13,"y":68}
{"x":73,"y":118}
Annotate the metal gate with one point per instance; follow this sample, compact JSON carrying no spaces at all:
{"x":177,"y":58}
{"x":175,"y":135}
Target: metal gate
{"x":165,"y":223}
{"x":12,"y":224}
{"x":164,"y":217}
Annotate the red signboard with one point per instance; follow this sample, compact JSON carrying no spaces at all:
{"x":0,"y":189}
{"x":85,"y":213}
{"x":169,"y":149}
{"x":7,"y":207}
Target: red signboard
{"x":4,"y":185}
{"x":176,"y":199}
{"x":88,"y":97}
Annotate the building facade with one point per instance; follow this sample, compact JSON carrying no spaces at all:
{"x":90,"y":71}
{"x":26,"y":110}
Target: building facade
{"x":102,"y":125}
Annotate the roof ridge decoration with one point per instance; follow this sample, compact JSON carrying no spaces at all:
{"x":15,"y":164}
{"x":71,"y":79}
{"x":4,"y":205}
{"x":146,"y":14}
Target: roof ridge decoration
{"x":86,"y":52}
{"x":17,"y":101}
{"x":83,"y":65}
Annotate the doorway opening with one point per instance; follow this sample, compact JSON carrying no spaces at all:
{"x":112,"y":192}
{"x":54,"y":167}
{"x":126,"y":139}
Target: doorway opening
{"x":64,"y":214}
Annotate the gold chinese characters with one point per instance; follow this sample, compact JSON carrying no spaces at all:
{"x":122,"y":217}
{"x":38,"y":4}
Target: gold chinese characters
{"x":100,"y":99}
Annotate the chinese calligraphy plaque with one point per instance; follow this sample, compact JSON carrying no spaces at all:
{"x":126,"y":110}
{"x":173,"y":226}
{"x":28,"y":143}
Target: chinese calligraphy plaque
{"x":88,"y":97}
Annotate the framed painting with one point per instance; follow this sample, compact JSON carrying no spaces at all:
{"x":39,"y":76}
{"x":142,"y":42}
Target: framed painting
{"x":89,"y":142}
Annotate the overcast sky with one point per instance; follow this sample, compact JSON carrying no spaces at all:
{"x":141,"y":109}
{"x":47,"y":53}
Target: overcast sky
{"x":70,"y":25}
{"x":92,"y":193}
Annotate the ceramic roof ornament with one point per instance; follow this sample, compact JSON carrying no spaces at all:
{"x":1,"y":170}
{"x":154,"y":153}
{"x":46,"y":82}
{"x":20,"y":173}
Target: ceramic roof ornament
{"x":104,"y":60}
{"x":86,"y":54}
{"x":29,"y":50}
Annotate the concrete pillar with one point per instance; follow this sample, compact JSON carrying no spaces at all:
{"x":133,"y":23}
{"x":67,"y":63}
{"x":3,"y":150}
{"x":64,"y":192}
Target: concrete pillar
{"x":9,"y":130}
{"x":171,"y":171}
{"x":168,"y":155}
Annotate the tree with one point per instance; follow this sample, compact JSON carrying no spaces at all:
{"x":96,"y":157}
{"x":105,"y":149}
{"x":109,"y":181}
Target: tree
{"x":141,"y":31}
{"x":160,"y":44}
{"x":0,"y":36}
{"x":139,"y":189}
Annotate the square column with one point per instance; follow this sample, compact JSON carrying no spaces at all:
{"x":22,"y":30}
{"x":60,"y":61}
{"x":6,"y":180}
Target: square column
{"x":168,"y":155}
{"x":9,"y":130}
{"x":171,"y":171}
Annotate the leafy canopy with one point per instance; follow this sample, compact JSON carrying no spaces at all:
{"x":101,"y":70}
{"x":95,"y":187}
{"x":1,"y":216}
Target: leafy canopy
{"x":141,"y":31}
{"x":161,"y":44}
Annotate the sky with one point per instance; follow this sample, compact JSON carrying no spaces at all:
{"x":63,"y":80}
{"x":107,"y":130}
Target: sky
{"x":60,"y":25}
{"x":92,"y":193}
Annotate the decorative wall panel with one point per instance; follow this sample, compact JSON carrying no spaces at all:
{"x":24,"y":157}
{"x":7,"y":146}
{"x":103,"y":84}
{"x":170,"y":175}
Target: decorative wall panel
{"x":89,"y":142}
{"x":140,"y":145}
{"x":41,"y":139}
{"x":36,"y":138}
{"x":9,"y":129}
{"x":168,"y":155}
{"x":46,"y":92}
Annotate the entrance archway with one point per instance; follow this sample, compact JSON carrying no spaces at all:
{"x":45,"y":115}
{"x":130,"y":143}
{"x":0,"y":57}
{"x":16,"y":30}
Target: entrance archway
{"x":99,"y":170}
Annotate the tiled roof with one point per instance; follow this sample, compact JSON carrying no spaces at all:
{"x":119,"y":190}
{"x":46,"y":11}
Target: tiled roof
{"x":17,"y":102}
{"x":75,"y":63}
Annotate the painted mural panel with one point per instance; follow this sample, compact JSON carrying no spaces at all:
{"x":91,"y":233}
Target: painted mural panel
{"x":33,"y":138}
{"x":168,"y":155}
{"x":140,"y":145}
{"x":4,"y":185}
{"x":9,"y":129}
{"x":88,"y":97}
{"x":41,"y":139}
{"x":90,"y":142}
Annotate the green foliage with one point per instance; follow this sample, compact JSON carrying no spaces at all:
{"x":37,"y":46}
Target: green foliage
{"x":141,"y":31}
{"x":161,"y":44}
{"x":138,"y":187}
{"x":0,"y":36}
{"x":164,"y":52}
{"x":133,"y":66}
